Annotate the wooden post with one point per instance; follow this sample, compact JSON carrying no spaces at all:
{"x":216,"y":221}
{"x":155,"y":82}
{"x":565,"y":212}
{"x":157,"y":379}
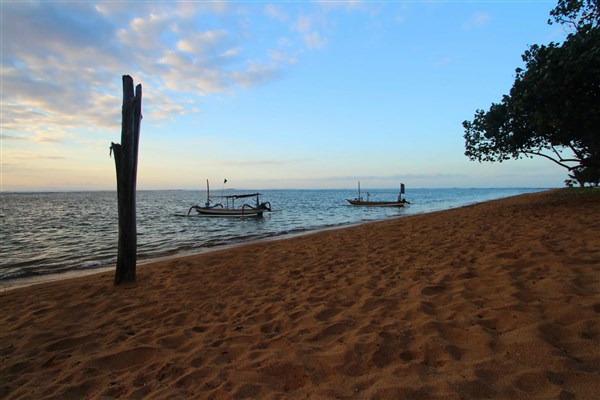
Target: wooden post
{"x":126,"y":158}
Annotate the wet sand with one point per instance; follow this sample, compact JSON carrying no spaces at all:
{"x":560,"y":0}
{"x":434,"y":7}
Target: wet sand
{"x":497,"y":300}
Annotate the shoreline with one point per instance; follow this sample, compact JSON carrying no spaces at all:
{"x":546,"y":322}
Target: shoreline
{"x":11,"y":284}
{"x":499,"y":300}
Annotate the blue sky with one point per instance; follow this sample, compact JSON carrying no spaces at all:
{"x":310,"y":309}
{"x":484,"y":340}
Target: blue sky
{"x":293,"y":94}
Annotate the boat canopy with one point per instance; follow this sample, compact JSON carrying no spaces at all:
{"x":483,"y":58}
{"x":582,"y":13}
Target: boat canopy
{"x":240,"y":196}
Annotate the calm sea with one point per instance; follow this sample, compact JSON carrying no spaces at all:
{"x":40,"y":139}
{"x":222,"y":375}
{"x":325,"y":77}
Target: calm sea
{"x":50,"y":233}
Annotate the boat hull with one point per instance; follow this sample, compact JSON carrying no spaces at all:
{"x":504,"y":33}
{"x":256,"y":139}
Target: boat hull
{"x":376,"y":203}
{"x":224,"y":212}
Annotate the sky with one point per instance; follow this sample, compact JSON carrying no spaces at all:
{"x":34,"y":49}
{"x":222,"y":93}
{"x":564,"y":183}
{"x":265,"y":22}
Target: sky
{"x":268,"y":95}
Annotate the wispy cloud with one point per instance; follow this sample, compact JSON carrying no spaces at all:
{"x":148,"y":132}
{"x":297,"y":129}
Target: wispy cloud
{"x":276,"y":13}
{"x":28,"y":155}
{"x":477,"y":20}
{"x":314,"y":40}
{"x":398,"y":177}
{"x":62,"y":63}
{"x":442,"y":62}
{"x":274,"y":162}
{"x":347,"y":5}
{"x":306,"y":26}
{"x":14,"y":138}
{"x":46,"y":139}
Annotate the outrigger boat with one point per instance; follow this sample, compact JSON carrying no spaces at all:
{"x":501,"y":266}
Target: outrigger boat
{"x":229,"y":210}
{"x":359,"y":201}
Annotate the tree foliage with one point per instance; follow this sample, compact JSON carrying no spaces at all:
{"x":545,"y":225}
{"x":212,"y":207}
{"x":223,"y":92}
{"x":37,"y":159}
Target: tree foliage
{"x":553,"y":108}
{"x":583,"y":175}
{"x":579,"y":15}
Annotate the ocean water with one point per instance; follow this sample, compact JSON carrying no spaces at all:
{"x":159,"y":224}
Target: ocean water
{"x":50,"y":233}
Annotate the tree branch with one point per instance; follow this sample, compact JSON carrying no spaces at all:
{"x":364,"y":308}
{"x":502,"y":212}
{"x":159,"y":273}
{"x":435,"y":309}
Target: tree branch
{"x":556,"y":152}
{"x":577,"y":153}
{"x":560,"y":161}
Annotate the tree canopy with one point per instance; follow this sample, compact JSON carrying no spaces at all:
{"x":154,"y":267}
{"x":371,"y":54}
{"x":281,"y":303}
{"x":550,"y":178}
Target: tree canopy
{"x":553,"y":108}
{"x":580,"y":15}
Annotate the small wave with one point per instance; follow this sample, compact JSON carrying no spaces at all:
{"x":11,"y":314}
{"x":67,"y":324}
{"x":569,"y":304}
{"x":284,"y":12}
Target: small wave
{"x":96,"y":264}
{"x":12,"y":275}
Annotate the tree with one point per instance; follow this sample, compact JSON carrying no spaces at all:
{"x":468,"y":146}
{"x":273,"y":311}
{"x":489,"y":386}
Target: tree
{"x":583,"y":175}
{"x":553,"y":108}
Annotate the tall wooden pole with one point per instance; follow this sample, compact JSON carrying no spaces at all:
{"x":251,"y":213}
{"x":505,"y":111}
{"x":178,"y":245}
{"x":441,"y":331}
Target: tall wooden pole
{"x":126,"y":159}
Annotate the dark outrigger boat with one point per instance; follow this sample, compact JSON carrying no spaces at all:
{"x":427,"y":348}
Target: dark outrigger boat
{"x":229,"y":209}
{"x":359,"y":201}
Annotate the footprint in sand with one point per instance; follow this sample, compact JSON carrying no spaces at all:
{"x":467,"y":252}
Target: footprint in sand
{"x":432,"y":290}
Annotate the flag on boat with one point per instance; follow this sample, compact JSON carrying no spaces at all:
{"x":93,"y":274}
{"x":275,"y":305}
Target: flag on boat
{"x":225,"y":181}
{"x":402,"y":188}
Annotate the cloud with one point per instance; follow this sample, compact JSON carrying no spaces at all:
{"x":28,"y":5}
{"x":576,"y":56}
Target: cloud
{"x":62,"y":62}
{"x":204,"y":44}
{"x":399,"y":177}
{"x":31,"y":103}
{"x":347,"y":5}
{"x":144,"y":33}
{"x":13,"y":138}
{"x":305,"y":25}
{"x":442,"y":62}
{"x":234,"y":51}
{"x":314,"y":40}
{"x":276,"y":13}
{"x":45,"y":139}
{"x":477,"y":20}
{"x":275,"y":162}
{"x":281,"y":57}
{"x":255,"y":73}
{"x":28,"y":156}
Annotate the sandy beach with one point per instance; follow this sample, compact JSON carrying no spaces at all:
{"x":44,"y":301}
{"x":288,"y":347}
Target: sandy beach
{"x":499,"y":300}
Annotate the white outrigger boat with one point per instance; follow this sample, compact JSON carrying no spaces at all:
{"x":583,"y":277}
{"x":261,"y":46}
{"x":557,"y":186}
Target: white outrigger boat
{"x":229,"y":209}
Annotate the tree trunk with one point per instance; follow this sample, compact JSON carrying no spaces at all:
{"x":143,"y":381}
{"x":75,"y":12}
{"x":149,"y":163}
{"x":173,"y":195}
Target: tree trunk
{"x":126,"y":158}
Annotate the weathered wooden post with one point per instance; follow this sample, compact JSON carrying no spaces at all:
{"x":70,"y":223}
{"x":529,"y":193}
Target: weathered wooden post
{"x":126,"y":158}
